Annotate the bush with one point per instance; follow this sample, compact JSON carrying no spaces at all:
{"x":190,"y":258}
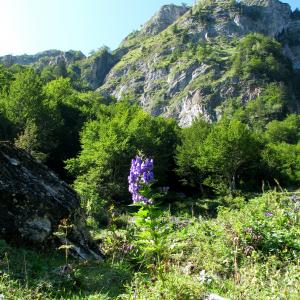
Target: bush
{"x":108,"y":145}
{"x":217,"y":156}
{"x":261,"y":56}
{"x":187,"y":152}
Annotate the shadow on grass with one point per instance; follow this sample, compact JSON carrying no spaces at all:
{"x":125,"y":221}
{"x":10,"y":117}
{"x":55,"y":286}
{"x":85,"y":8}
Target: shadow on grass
{"x":34,"y":275}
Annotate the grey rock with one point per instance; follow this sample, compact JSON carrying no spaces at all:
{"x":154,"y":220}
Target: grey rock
{"x":97,"y":67}
{"x":33,"y":203}
{"x":269,"y":17}
{"x":166,"y":16}
{"x":291,"y":38}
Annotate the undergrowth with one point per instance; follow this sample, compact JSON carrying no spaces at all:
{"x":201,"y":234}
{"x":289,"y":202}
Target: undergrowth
{"x":250,"y":250}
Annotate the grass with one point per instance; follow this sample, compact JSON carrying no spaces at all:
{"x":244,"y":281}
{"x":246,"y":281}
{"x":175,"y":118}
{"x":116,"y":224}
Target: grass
{"x":234,"y":247}
{"x":28,"y":274}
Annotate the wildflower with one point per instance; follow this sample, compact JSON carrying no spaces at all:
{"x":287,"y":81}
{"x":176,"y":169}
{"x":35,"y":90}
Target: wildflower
{"x":249,"y":230}
{"x":294,"y":198}
{"x":141,"y":173}
{"x":202,"y":276}
{"x":268,"y":214}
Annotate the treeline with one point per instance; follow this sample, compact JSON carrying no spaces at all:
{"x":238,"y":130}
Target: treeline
{"x":254,"y":145}
{"x":44,"y":118}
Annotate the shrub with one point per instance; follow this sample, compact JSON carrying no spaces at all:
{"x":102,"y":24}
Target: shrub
{"x":261,"y":56}
{"x":108,"y":145}
{"x":217,"y":156}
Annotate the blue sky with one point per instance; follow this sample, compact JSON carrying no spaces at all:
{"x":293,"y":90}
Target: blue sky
{"x":30,"y":26}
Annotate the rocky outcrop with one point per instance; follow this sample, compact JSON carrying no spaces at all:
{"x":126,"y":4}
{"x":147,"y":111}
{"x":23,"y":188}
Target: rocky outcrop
{"x":34,"y":202}
{"x":269,"y":17}
{"x":166,"y":16}
{"x":166,"y":79}
{"x":291,"y":39}
{"x":45,"y":57}
{"x":95,"y":68}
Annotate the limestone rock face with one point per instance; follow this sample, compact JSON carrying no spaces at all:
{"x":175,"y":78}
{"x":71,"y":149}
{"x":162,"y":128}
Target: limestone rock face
{"x":166,"y":16}
{"x":34,"y":201}
{"x":97,"y":67}
{"x":269,"y":17}
{"x":166,"y":79}
{"x":291,"y":38}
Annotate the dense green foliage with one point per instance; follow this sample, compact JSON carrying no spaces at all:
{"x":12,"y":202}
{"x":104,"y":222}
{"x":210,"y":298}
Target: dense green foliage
{"x":43,"y":118}
{"x":244,"y":151}
{"x":108,"y":145}
{"x":253,"y":143}
{"x":261,"y":56}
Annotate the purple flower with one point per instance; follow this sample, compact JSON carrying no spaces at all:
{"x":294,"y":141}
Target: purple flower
{"x":268,"y":214}
{"x":141,"y":173}
{"x":294,"y":198}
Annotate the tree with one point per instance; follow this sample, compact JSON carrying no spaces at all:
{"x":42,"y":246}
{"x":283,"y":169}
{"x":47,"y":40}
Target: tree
{"x":190,"y":148}
{"x":283,"y":161}
{"x":29,"y":140}
{"x":270,"y":104}
{"x":217,"y":155}
{"x":61,"y":98}
{"x":108,"y":145}
{"x":5,"y":127}
{"x":287,"y":131}
{"x":261,"y":56}
{"x":24,"y":107}
{"x":6,"y":76}
{"x":25,"y":98}
{"x":228,"y":149}
{"x":282,"y":151}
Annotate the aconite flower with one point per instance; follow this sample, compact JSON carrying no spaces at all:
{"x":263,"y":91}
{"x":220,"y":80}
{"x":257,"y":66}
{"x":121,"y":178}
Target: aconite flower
{"x":141,"y":173}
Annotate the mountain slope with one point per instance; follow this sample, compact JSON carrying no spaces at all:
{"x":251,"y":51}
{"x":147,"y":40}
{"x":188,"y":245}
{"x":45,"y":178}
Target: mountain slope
{"x":91,"y":71}
{"x":185,"y":70}
{"x":184,"y":61}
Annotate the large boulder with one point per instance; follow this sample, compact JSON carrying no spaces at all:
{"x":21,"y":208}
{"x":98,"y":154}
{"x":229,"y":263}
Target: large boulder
{"x":35,"y":204}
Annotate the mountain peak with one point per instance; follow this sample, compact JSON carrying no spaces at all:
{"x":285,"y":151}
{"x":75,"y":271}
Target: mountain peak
{"x":166,"y":16}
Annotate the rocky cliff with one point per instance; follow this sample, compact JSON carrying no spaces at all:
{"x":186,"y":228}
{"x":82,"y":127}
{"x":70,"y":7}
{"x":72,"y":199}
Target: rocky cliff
{"x":167,"y":77}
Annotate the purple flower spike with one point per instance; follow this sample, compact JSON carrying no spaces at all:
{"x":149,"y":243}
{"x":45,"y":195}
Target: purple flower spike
{"x":141,"y":172}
